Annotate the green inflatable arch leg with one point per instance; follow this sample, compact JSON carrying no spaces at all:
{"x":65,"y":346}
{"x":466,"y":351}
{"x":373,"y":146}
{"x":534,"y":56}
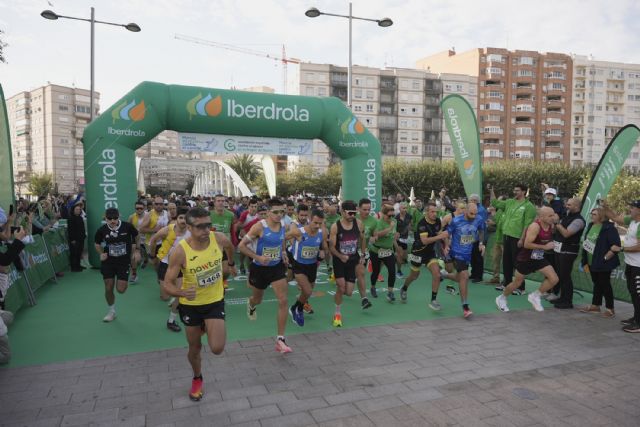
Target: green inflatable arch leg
{"x":110,"y":141}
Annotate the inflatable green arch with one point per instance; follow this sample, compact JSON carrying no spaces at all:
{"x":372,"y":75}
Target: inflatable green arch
{"x":110,"y":141}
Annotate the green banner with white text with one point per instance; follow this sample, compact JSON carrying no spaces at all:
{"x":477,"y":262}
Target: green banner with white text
{"x":609,"y":167}
{"x":465,"y":140}
{"x":58,"y":248}
{"x":6,"y":167}
{"x":37,"y":265}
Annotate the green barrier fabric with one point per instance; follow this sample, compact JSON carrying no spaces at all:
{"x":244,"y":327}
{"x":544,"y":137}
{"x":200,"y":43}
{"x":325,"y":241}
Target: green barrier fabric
{"x":17,"y":296}
{"x":36,"y":263}
{"x":58,"y":248}
{"x":581,"y":280}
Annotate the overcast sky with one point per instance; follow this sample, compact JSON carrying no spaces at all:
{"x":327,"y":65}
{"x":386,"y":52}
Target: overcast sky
{"x":42,"y":51}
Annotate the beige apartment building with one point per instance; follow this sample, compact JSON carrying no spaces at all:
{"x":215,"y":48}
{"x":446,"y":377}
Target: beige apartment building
{"x":401,"y":107}
{"x":606,"y":96}
{"x":46,"y":126}
{"x":523,"y":100}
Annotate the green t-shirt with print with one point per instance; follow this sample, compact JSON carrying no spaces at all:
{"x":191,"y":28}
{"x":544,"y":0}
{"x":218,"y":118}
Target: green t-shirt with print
{"x":222,"y":222}
{"x":386,"y":241}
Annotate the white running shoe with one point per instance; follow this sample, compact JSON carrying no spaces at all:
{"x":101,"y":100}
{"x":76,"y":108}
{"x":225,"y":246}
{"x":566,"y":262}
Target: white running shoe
{"x":110,"y":317}
{"x":534,"y":299}
{"x":501,"y":302}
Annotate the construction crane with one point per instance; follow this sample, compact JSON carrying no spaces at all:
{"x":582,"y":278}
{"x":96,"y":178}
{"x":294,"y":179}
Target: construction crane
{"x":282,"y":59}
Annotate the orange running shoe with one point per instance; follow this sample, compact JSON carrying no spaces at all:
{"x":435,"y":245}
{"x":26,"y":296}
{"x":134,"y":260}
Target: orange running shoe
{"x":196,"y":392}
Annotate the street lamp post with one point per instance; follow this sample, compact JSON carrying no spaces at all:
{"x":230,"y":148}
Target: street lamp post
{"x":133,"y":27}
{"x":384,"y":22}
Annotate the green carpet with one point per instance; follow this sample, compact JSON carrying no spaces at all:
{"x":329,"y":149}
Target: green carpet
{"x":66,"y":324}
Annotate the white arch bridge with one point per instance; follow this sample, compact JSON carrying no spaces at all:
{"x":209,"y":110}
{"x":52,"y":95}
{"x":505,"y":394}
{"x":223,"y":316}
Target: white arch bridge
{"x":209,"y":176}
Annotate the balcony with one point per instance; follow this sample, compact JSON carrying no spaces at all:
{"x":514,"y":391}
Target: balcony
{"x":554,"y":99}
{"x":387,"y":123}
{"x":387,"y":109}
{"x":434,"y":125}
{"x":433,"y":87}
{"x":339,"y":93}
{"x":339,"y":79}
{"x":388,"y":84}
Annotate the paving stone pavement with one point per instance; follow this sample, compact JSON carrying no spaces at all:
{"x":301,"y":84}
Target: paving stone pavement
{"x":554,"y":368}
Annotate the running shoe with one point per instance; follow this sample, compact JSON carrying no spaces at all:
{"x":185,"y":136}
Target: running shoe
{"x":534,"y":299}
{"x":373,"y":292}
{"x":380,"y":278}
{"x":243,"y":272}
{"x":251,"y":312}
{"x":450,"y":289}
{"x":633,"y":328}
{"x":403,"y":294}
{"x":499,"y":288}
{"x":435,"y":305}
{"x":296,"y":316}
{"x":173,"y":326}
{"x":110,"y":317}
{"x":629,"y":321}
{"x":282,"y":347}
{"x":467,"y":313}
{"x":399,"y":275}
{"x":337,"y":320}
{"x":307,"y":308}
{"x":520,"y":292}
{"x":443,"y":274}
{"x":552,"y":297}
{"x":501,"y":302}
{"x":196,"y":392}
{"x":133,"y":279}
{"x":391,"y":297}
{"x":366,"y":303}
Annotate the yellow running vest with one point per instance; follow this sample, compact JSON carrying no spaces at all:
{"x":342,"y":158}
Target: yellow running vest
{"x":167,"y":243}
{"x":204,"y":271}
{"x":153,"y":221}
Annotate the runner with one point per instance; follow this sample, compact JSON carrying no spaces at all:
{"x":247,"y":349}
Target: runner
{"x":299,"y":221}
{"x":459,"y":209}
{"x":331,"y":216}
{"x":115,"y":242}
{"x":222,"y":219}
{"x":464,"y":230}
{"x":308,"y":250}
{"x":381,"y":250}
{"x":369,"y":223}
{"x":153,"y":222}
{"x":403,"y":219}
{"x":345,"y":237}
{"x":201,"y":295}
{"x":538,"y":238}
{"x":246,"y":217}
{"x":268,"y":267}
{"x":134,"y":219}
{"x":170,"y":236}
{"x":427,"y":236}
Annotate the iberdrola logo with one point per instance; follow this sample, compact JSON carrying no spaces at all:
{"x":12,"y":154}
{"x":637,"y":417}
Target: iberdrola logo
{"x":352,"y":126}
{"x":129,"y":111}
{"x":207,"y":106}
{"x":468,"y":167}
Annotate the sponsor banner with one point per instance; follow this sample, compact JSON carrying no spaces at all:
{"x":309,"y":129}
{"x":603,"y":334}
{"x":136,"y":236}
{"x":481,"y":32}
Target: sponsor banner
{"x":16,"y":296}
{"x":609,"y":167}
{"x":37,"y":265}
{"x":58,"y":248}
{"x":6,"y":168}
{"x":465,"y":140}
{"x":226,"y":144}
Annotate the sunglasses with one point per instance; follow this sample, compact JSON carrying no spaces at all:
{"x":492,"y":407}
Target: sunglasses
{"x":203,"y":226}
{"x":139,"y":209}
{"x":159,"y":204}
{"x":112,"y":218}
{"x":351,"y":213}
{"x":277,"y":211}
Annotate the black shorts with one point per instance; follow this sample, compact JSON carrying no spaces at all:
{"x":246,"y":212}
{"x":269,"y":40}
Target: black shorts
{"x":309,"y":270}
{"x":261,"y":276}
{"x":460,"y":265}
{"x":531,"y":266}
{"x":416,"y":260}
{"x":346,"y":271}
{"x":194,"y":315}
{"x":110,"y":270}
{"x":291,"y":261}
{"x":402,"y":245}
{"x":162,"y":270}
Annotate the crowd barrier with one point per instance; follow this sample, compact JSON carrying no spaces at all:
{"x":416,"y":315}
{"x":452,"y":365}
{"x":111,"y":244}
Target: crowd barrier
{"x":42,"y":259}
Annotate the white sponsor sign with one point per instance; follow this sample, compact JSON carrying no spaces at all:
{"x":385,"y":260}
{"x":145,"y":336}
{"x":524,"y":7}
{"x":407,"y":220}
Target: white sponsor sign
{"x":228,"y":144}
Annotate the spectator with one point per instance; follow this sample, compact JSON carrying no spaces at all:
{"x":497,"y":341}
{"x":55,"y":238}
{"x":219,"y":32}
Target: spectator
{"x":76,"y":235}
{"x":599,"y":258}
{"x":550,"y":198}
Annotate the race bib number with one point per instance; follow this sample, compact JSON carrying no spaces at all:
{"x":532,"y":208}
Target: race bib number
{"x":349,"y":247}
{"x":117,"y":249}
{"x":271,"y":253}
{"x":384,"y":253}
{"x":589,"y":246}
{"x":414,"y":258}
{"x":467,"y":239}
{"x":309,"y":252}
{"x":208,"y":277}
{"x":537,"y":254}
{"x":557,"y":246}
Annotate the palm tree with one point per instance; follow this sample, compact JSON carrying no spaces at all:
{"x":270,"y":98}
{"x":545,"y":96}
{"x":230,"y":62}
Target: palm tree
{"x":246,"y":167}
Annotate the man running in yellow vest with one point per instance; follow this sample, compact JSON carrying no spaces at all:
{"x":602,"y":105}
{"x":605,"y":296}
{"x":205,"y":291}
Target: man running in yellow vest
{"x":154,"y":221}
{"x":134,"y":219}
{"x":201,"y":295}
{"x":170,"y":236}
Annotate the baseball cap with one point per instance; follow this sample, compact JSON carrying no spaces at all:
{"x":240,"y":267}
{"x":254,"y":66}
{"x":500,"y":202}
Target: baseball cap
{"x":263,"y":208}
{"x":551,"y":191}
{"x":635,"y":204}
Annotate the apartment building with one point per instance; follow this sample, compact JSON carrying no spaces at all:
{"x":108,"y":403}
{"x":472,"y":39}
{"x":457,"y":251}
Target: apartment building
{"x":46,"y":126}
{"x":606,"y":96}
{"x":523,"y":100}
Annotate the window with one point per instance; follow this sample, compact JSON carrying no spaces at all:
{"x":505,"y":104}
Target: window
{"x":357,"y":93}
{"x":83,"y":109}
{"x":357,"y":107}
{"x":369,"y":108}
{"x":415,"y":84}
{"x":310,"y":77}
{"x":63,"y":97}
{"x":322,"y":91}
{"x":524,"y":73}
{"x":403,"y":149}
{"x":459,"y":88}
{"x":526,"y":60}
{"x":64,"y":119}
{"x":414,"y":149}
{"x":369,"y":94}
{"x":63,"y":107}
{"x":310,"y":91}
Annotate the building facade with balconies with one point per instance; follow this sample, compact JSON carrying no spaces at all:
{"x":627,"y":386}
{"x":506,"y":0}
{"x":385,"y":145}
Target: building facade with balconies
{"x":46,"y":127}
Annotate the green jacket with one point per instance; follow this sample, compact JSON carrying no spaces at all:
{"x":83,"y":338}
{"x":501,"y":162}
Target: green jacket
{"x":517,"y":215}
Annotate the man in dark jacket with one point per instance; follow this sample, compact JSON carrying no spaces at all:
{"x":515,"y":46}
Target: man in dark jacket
{"x":76,"y":235}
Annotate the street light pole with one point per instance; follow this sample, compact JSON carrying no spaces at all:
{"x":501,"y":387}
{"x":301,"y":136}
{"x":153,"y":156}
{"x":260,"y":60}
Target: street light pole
{"x":384,"y":22}
{"x":133,"y":27}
